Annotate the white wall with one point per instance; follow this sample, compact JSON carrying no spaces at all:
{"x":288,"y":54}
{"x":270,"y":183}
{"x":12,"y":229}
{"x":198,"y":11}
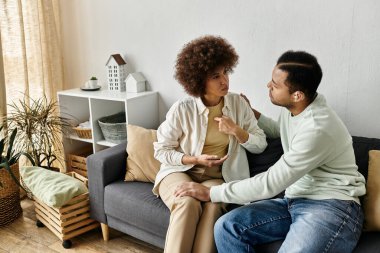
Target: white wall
{"x":343,"y":34}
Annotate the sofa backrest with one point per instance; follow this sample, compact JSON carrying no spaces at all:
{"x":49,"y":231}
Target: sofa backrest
{"x":361,"y":147}
{"x":261,"y":162}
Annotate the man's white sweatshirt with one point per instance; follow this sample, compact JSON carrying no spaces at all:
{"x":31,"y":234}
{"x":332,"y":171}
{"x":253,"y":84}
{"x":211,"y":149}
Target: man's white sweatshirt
{"x":318,"y":160}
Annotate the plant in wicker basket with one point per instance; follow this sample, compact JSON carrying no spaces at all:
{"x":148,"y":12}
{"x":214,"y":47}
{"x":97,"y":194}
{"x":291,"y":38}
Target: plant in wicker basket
{"x":40,"y":131}
{"x":10,"y":208}
{"x":9,"y":156}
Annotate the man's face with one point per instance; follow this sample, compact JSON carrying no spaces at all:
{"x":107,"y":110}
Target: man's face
{"x":278,"y":91}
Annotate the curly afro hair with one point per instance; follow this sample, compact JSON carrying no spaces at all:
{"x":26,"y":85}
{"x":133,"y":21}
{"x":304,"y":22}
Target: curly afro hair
{"x":199,"y":58}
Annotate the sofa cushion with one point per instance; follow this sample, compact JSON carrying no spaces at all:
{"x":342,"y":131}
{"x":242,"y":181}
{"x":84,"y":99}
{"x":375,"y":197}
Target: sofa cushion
{"x":261,"y":162}
{"x":361,"y":147}
{"x":371,"y":203}
{"x":141,"y":165}
{"x":134,"y":203}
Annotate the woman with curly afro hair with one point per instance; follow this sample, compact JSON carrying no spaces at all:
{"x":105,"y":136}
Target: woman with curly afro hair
{"x":203,"y":140}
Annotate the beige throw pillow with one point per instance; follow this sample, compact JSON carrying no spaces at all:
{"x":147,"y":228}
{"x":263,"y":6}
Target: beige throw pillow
{"x":372,"y":198}
{"x":141,"y":165}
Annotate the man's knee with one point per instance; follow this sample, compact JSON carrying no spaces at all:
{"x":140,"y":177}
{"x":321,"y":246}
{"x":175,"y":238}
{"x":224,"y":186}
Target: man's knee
{"x":219,"y":228}
{"x":222,"y":226}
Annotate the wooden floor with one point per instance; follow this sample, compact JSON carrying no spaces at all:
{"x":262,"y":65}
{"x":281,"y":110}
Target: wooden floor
{"x":24,"y":236}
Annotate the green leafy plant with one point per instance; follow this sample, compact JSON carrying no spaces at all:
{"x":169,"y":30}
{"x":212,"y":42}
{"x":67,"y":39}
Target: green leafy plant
{"x":40,"y":130}
{"x":8,"y":155}
{"x":93,"y":78}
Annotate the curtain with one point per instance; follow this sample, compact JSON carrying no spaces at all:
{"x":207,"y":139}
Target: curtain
{"x":31,"y":50}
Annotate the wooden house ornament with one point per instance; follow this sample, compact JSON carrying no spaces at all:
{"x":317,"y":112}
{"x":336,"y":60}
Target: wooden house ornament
{"x":116,"y":73}
{"x":135,"y":82}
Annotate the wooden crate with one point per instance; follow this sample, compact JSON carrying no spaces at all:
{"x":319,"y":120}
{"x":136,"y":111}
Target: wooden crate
{"x":71,"y":219}
{"x":77,"y":162}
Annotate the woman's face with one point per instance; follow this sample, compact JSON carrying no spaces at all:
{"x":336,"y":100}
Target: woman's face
{"x":217,"y":83}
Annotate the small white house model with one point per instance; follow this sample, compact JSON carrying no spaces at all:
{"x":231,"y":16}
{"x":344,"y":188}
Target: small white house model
{"x":135,"y":82}
{"x":116,"y":73}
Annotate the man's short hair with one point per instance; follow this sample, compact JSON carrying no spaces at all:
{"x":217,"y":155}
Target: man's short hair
{"x":304,"y":72}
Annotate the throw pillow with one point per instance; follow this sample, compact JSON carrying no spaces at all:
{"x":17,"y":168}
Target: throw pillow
{"x":53,"y":188}
{"x":141,"y":165}
{"x":372,"y":199}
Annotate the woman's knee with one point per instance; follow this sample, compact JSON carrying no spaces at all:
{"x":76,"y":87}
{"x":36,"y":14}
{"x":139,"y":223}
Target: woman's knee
{"x":213,"y":207}
{"x":189,"y":204}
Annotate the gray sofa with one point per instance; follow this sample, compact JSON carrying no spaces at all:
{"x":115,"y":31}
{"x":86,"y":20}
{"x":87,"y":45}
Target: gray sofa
{"x":131,"y":207}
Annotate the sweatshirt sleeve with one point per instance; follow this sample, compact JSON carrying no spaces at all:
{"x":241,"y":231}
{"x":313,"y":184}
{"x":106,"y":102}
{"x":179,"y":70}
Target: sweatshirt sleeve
{"x":309,"y":150}
{"x":270,"y":127}
{"x":168,"y":135}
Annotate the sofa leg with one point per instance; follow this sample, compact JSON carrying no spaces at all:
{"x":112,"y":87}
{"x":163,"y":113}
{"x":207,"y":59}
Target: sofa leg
{"x":105,"y":231}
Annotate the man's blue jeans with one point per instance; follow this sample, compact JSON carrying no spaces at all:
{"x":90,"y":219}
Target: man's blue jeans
{"x":305,"y":225}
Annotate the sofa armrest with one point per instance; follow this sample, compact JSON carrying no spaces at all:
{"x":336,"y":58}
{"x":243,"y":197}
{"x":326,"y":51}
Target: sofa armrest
{"x":103,"y":168}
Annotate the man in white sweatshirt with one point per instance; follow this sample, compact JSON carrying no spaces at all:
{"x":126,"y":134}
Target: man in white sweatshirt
{"x":321,"y":210}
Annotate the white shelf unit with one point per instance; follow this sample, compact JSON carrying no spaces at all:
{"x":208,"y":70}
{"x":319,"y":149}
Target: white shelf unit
{"x":140,"y":109}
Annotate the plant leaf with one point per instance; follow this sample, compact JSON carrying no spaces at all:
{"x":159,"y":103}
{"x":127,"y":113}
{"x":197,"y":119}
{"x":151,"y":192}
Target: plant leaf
{"x":10,"y":143}
{"x":30,"y":158}
{"x":2,"y":145}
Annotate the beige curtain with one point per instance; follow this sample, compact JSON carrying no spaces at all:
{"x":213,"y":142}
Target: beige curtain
{"x":31,"y":50}
{"x":3,"y":102}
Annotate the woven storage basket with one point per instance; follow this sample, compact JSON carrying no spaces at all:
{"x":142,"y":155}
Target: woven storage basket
{"x":114,"y":127}
{"x":77,"y":161}
{"x":10,"y":208}
{"x":84,"y":133}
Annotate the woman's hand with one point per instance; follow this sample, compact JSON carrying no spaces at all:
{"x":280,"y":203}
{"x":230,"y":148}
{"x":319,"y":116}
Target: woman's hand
{"x":192,"y":189}
{"x":210,"y":160}
{"x":204,"y":160}
{"x":228,"y":126}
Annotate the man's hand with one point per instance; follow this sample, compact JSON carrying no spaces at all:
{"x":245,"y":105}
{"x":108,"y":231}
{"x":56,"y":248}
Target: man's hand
{"x":192,"y":189}
{"x":257,"y":113}
{"x":246,"y":99}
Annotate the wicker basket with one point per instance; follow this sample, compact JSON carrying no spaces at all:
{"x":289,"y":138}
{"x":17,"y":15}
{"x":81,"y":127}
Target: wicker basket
{"x":77,"y":161}
{"x":114,"y":128}
{"x":10,"y":208}
{"x":84,"y":133}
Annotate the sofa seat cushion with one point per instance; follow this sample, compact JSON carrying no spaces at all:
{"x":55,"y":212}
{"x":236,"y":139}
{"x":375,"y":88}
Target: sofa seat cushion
{"x":135,"y":204}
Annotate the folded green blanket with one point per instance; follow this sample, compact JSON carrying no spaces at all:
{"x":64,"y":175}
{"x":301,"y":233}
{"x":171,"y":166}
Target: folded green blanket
{"x":55,"y":189}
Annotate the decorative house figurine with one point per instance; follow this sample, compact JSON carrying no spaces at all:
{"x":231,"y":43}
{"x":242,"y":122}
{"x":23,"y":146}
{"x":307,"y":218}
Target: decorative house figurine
{"x":116,"y":73}
{"x":135,"y":82}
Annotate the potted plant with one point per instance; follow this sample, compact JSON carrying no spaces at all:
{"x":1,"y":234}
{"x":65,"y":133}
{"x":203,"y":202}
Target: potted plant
{"x":93,"y":82}
{"x":10,"y":208}
{"x":40,"y":131}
